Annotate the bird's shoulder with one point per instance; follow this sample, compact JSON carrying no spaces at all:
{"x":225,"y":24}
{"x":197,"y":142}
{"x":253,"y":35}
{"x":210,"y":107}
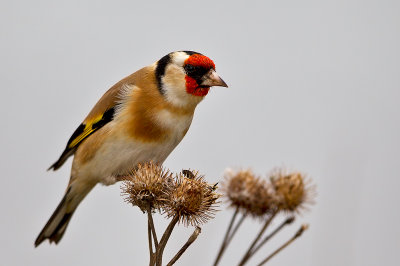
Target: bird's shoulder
{"x":105,"y":110}
{"x":143,"y":78}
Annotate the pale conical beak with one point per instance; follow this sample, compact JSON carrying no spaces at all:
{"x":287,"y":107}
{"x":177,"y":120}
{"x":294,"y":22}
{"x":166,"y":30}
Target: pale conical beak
{"x":212,"y":79}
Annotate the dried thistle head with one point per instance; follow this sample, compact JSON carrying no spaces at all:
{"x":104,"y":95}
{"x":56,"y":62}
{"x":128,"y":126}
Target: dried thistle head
{"x":147,"y":186}
{"x":293,"y":190}
{"x":248,"y":193}
{"x":192,"y":200}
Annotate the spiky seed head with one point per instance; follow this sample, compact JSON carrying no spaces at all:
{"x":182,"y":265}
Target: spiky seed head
{"x":263,"y":200}
{"x":248,"y":192}
{"x":293,"y":190}
{"x":148,"y":186}
{"x":192,"y":200}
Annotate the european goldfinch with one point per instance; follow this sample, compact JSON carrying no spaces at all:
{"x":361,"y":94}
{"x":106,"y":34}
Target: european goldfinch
{"x":141,"y":118}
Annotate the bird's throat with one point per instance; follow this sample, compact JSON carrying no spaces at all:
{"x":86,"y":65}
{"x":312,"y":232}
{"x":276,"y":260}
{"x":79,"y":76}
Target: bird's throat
{"x":194,"y":89}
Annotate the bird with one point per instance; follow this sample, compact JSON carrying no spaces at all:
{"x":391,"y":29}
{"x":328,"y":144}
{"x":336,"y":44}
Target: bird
{"x":141,"y":118}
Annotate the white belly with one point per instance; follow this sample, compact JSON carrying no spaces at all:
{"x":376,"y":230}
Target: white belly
{"x":120,"y":154}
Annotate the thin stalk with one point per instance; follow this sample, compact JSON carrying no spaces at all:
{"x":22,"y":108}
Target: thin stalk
{"x":288,"y":221}
{"x":249,"y":250}
{"x":151,"y":224}
{"x":287,"y":243}
{"x":191,"y":239}
{"x":235,"y":229}
{"x":151,"y":260}
{"x":223,"y":245}
{"x":164,"y":240}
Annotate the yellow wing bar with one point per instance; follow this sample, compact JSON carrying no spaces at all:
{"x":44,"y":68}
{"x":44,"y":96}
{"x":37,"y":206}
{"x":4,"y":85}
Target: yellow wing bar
{"x":87,"y":130}
{"x":81,"y":133}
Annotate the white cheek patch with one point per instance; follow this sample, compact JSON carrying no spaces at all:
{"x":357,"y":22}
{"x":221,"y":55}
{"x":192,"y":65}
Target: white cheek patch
{"x":174,"y":82}
{"x":174,"y":85}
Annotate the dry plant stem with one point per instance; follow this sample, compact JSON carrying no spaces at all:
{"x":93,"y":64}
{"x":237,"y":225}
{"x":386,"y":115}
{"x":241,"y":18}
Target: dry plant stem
{"x":247,"y":256}
{"x":151,"y":261}
{"x":224,"y":242}
{"x":287,"y":243}
{"x":151,"y":224}
{"x":287,"y":221}
{"x":235,"y":229}
{"x":191,"y":239}
{"x":230,"y":237}
{"x":164,"y":240}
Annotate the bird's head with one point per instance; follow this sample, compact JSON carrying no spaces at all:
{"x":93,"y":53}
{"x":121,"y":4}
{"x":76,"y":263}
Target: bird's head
{"x":185,"y":77}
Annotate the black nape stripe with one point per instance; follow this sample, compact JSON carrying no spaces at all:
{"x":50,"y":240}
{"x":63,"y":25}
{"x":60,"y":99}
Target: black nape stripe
{"x":160,"y":71}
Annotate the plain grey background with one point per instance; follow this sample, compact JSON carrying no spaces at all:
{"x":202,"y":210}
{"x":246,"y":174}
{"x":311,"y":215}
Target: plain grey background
{"x":314,"y":86}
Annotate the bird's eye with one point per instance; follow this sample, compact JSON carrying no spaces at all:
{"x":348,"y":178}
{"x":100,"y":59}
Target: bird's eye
{"x":189,"y":68}
{"x":195,"y":72}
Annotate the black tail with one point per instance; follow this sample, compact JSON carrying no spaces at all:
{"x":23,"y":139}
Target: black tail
{"x":57,"y":224}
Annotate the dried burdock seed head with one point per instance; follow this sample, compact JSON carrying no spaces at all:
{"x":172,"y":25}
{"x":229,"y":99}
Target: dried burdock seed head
{"x":248,"y":193}
{"x":263,"y":201}
{"x":192,"y":200}
{"x":147,"y":186}
{"x":293,"y":190}
{"x":237,"y":186}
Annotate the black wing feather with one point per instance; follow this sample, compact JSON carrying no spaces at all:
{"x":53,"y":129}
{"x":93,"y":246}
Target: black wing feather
{"x":81,"y":133}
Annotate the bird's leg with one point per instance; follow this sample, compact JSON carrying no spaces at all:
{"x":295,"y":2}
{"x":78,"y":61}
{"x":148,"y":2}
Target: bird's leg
{"x":118,"y":178}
